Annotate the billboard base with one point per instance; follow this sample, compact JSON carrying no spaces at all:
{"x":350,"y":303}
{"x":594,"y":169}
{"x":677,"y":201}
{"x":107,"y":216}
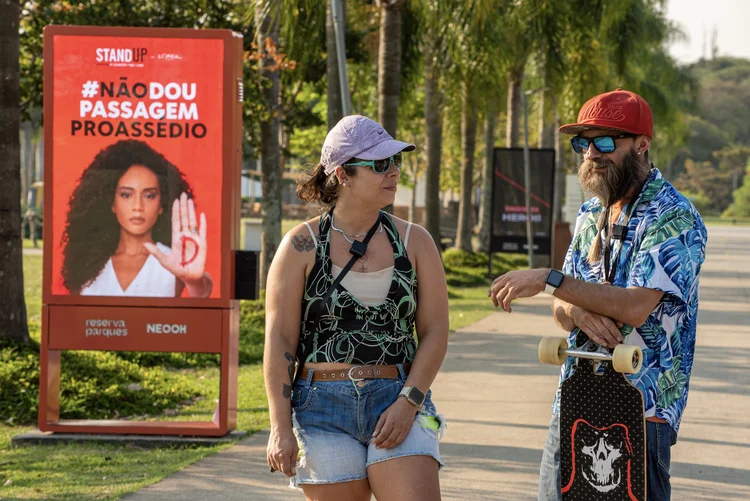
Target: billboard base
{"x":224,"y":418}
{"x":37,"y":437}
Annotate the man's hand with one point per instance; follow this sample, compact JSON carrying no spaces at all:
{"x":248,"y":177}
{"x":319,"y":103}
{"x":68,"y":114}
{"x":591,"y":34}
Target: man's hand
{"x":600,"y":329}
{"x":517,"y":284}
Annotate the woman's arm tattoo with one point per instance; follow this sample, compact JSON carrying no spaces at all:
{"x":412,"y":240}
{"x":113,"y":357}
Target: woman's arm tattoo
{"x":286,"y":390}
{"x":303,"y":243}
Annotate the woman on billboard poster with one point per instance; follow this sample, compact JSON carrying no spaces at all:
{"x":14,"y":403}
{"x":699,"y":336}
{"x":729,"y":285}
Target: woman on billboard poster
{"x":131,"y":228}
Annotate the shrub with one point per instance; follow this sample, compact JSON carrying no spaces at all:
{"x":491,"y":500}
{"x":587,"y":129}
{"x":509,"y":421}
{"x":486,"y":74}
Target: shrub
{"x":94,"y":385}
{"x":469,"y":269}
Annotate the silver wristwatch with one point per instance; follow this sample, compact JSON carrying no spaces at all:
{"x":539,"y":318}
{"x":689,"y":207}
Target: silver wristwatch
{"x":414,"y":395}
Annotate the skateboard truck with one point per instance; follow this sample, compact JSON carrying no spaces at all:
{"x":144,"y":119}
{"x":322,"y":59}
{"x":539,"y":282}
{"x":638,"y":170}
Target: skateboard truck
{"x":626,"y":359}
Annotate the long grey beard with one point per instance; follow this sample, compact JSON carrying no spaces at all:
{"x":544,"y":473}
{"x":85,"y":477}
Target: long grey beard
{"x":615,"y":183}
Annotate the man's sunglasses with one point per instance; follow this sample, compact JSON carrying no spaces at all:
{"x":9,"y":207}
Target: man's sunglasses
{"x":379,"y":166}
{"x":603,"y":144}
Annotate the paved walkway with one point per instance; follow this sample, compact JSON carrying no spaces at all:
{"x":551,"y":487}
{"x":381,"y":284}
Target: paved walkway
{"x":496,"y":397}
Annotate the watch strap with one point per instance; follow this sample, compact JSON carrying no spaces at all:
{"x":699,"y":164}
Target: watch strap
{"x":550,"y":289}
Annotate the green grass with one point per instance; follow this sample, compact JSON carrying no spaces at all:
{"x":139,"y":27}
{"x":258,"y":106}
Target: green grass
{"x":89,"y":472}
{"x":32,"y":284}
{"x":718,"y":221}
{"x":468,"y":305}
{"x":78,"y":472}
{"x":29,"y":244}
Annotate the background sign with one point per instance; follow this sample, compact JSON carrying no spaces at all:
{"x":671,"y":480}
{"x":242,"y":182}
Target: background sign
{"x":137,"y":156}
{"x":509,"y":202}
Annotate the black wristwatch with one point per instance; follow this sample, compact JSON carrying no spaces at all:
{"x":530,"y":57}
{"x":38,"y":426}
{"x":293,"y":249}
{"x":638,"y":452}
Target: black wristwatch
{"x":414,"y":395}
{"x":554,"y":280}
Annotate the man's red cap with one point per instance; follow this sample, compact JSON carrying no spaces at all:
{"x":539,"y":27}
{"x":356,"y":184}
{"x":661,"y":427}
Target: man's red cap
{"x":619,"y":110}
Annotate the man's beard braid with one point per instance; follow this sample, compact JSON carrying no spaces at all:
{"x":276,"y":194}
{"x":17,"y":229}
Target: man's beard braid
{"x":616,"y":181}
{"x":610,"y":187}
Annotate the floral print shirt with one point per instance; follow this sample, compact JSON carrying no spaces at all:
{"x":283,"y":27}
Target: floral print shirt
{"x":663,"y":249}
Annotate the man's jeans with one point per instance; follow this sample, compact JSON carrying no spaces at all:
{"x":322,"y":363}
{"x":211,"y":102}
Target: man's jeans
{"x":659,"y":439}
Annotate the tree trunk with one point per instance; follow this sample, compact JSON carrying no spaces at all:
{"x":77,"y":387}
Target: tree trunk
{"x":488,"y":178}
{"x":433,"y":143}
{"x":559,"y":168}
{"x":513,"y":129}
{"x":12,"y":302}
{"x":415,"y":183}
{"x":335,"y":106}
{"x":468,"y":146}
{"x":389,"y":64}
{"x":26,"y":163}
{"x":389,"y":67}
{"x":267,"y":29}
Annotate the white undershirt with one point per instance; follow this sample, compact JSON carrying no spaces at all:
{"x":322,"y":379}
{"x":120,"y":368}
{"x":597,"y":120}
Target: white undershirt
{"x":370,"y":288}
{"x":153,"y":280}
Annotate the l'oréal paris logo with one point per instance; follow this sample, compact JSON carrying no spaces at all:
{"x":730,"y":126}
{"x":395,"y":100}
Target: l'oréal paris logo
{"x":169,"y":57}
{"x":613,"y":113}
{"x":129,"y":55}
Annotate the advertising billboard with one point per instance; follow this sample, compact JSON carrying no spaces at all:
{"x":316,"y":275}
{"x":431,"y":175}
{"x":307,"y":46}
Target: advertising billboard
{"x":138,"y":166}
{"x":509,"y":200}
{"x":143,"y":136}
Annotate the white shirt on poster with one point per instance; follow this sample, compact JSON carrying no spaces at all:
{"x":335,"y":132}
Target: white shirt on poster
{"x":153,"y":280}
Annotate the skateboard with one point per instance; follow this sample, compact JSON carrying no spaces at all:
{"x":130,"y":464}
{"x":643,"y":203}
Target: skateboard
{"x":602,"y":423}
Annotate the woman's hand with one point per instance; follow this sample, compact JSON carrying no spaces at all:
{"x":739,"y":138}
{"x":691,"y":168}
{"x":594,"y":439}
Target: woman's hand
{"x":394,"y":424}
{"x":282,"y":451}
{"x":187,"y":261}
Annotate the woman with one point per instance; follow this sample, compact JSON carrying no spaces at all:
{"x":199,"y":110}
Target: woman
{"x":358,"y":418}
{"x":132,"y":230}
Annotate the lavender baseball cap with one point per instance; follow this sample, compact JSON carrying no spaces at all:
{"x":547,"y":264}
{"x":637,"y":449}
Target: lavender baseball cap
{"x":360,"y":137}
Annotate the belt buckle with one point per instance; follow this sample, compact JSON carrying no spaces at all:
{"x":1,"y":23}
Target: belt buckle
{"x":352,"y":377}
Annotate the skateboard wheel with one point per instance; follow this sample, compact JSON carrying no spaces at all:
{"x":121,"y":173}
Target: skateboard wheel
{"x":550,"y":348}
{"x":627,"y":359}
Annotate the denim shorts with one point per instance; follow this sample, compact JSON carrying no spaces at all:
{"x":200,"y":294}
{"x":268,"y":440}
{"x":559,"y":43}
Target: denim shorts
{"x":334,"y":422}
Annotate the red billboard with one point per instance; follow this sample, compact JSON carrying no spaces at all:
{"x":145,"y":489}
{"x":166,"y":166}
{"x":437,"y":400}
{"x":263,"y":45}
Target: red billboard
{"x":143,"y":139}
{"x":139,"y":169}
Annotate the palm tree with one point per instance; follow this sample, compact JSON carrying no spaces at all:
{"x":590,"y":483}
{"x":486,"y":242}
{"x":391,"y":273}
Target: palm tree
{"x":465,"y":228}
{"x":267,"y":36}
{"x":12,"y":304}
{"x":389,"y":63}
{"x":478,"y":68}
{"x":488,"y":176}
{"x":442,"y":22}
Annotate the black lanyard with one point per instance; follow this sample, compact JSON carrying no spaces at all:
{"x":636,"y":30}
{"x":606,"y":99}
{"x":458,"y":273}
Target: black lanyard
{"x":618,"y":233}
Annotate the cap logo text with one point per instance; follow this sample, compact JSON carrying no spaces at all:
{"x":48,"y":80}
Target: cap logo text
{"x":611,"y":114}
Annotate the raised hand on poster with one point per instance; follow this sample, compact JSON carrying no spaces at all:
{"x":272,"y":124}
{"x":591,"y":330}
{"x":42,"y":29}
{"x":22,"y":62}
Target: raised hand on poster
{"x":187,"y":261}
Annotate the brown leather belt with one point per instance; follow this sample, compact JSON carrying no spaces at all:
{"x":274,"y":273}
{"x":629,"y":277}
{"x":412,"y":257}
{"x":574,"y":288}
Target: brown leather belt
{"x":356,"y":373}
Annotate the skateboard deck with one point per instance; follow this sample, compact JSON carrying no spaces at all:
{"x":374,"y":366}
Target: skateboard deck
{"x":602,"y":436}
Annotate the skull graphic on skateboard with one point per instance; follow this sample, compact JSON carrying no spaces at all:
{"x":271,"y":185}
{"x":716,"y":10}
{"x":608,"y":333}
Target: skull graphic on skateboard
{"x":602,"y":424}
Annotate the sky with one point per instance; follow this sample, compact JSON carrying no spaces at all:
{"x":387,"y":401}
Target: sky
{"x":730,"y":17}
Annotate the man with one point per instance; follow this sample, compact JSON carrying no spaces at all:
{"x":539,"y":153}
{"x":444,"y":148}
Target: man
{"x":630,"y":275}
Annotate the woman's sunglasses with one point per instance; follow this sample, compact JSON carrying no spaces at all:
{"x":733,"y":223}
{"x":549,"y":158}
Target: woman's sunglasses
{"x":379,"y":166}
{"x":603,"y":144}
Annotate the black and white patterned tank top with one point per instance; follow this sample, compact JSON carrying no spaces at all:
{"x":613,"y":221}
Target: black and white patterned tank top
{"x":350,"y":332}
